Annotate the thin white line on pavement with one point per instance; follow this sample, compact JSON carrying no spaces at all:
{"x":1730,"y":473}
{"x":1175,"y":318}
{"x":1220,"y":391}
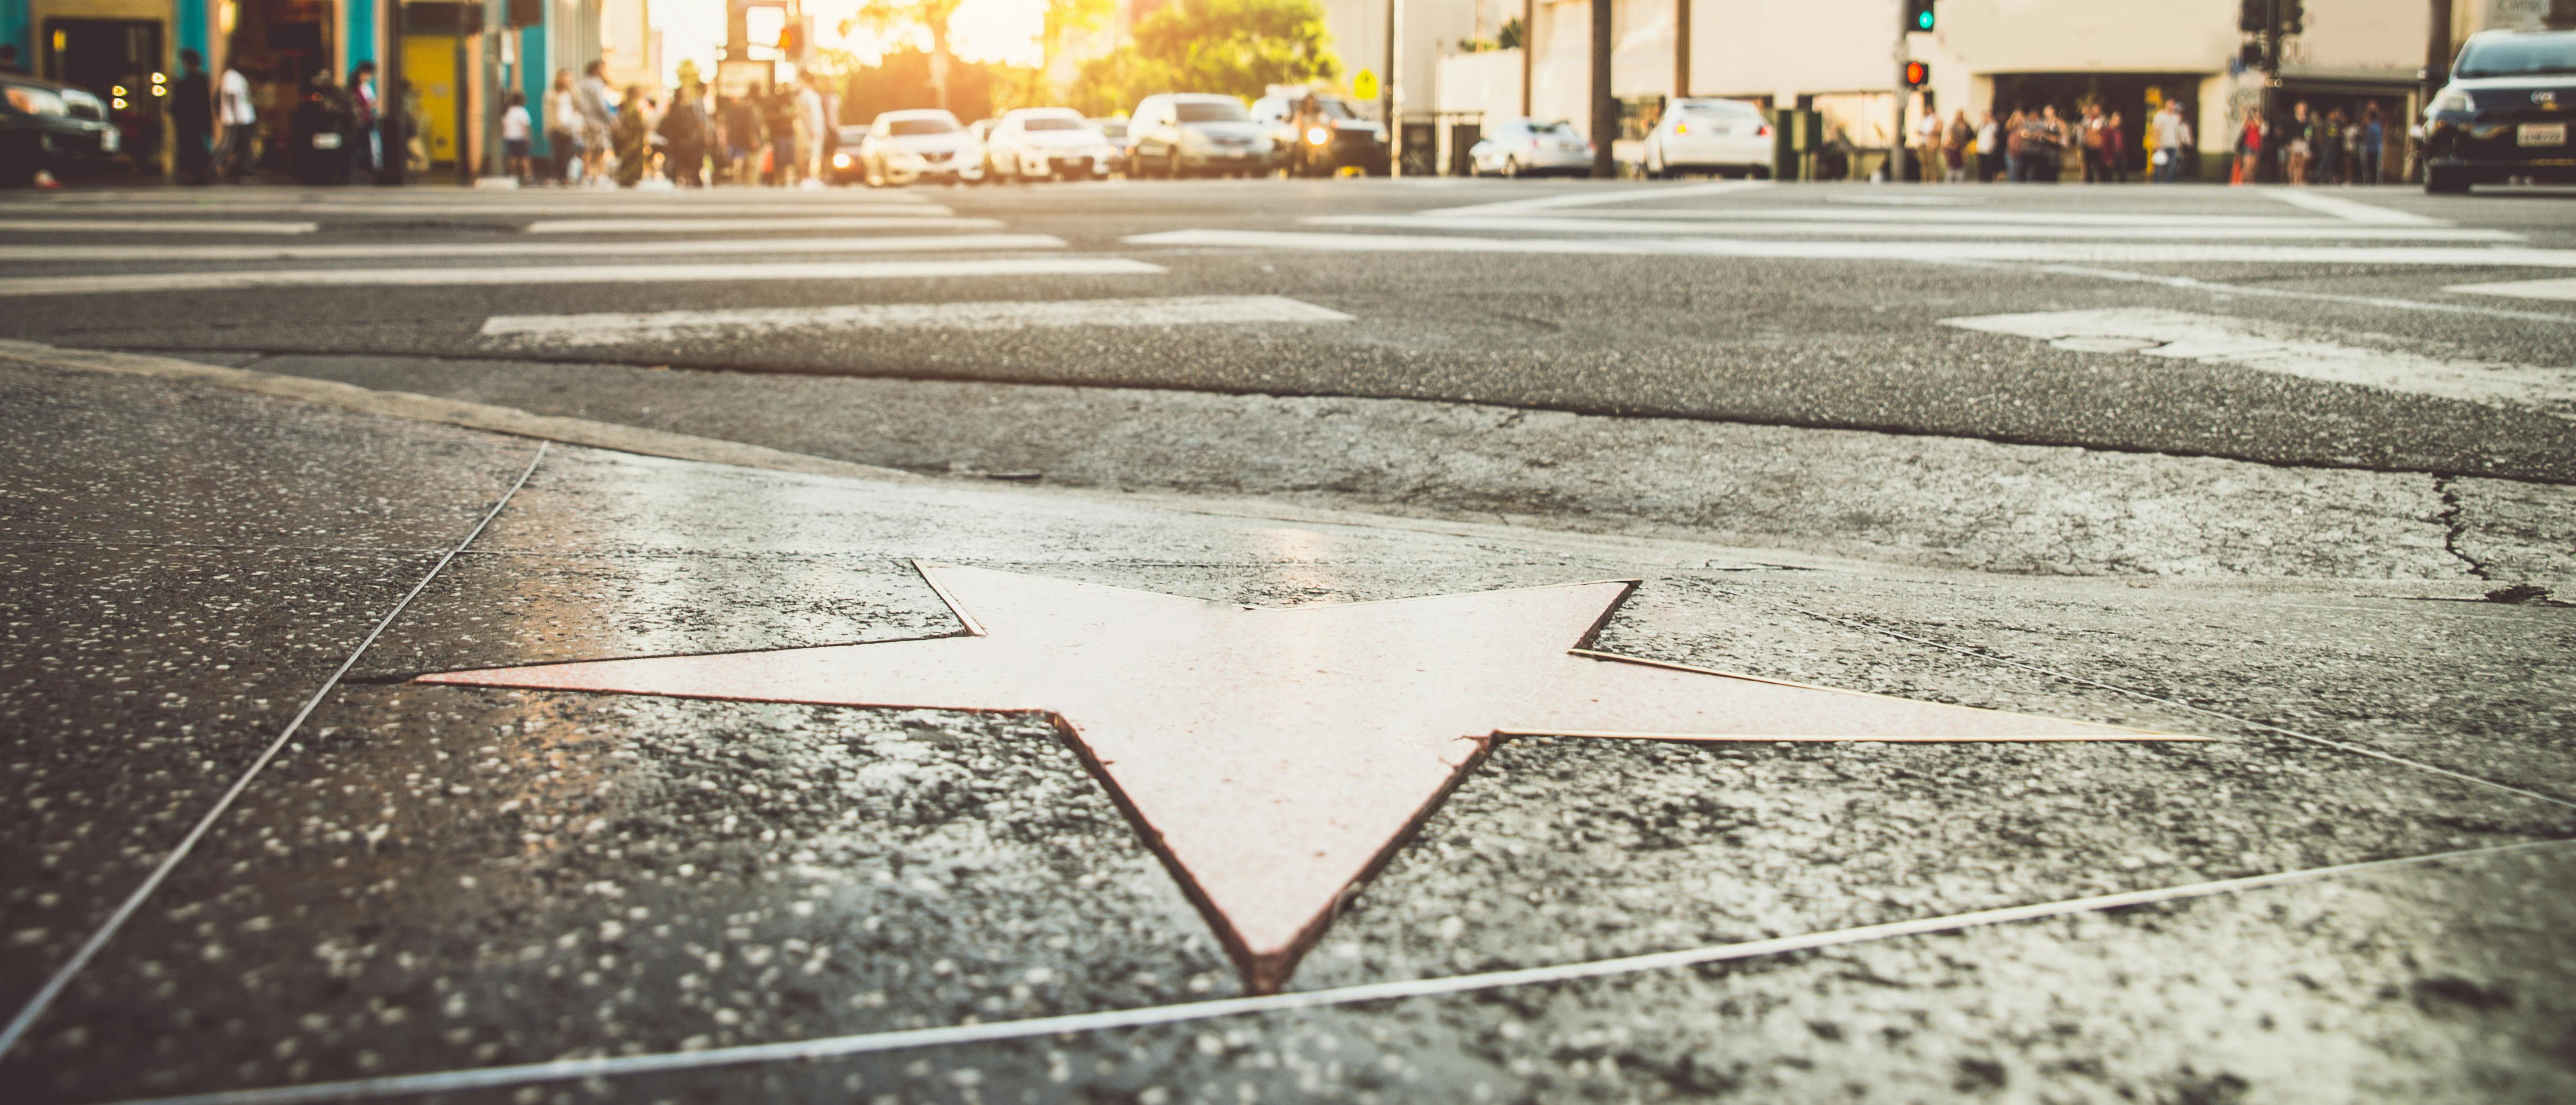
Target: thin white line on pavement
{"x":667,"y":224}
{"x":574,"y":274}
{"x":1915,"y":216}
{"x":1932,"y":252}
{"x":1593,"y":223}
{"x":451,"y":1081}
{"x":62,"y":977}
{"x":656,"y":247}
{"x":2564,"y":289}
{"x":616,"y":328}
{"x":1615,"y":194}
{"x":2263,"y":347}
{"x":155,"y":226}
{"x":2348,"y":209}
{"x":2217,"y":288}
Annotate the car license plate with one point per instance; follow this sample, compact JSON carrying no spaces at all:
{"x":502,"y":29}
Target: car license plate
{"x":2541,"y":134}
{"x":326,"y":140}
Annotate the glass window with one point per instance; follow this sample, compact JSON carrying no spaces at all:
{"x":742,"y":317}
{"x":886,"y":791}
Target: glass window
{"x":2517,"y":55}
{"x":1211,"y":111}
{"x":923,"y":126}
{"x":1046,"y":123}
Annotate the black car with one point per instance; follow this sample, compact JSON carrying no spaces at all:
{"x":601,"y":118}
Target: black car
{"x":59,"y":128}
{"x":1345,"y":140}
{"x":2505,"y":113}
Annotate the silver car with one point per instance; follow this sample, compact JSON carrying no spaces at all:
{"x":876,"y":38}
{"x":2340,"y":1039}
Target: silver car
{"x":1176,"y":134}
{"x":1531,"y":147}
{"x":922,"y":144}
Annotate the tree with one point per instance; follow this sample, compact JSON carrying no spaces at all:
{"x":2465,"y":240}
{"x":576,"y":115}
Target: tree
{"x":930,"y":16}
{"x":1225,"y":46}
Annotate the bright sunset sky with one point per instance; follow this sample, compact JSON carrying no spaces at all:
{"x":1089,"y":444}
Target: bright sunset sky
{"x":983,"y":30}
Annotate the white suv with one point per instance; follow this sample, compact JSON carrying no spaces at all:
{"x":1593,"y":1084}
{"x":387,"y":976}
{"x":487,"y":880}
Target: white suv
{"x":1176,"y":134}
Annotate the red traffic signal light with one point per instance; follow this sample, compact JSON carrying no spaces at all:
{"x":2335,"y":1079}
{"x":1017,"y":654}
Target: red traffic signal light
{"x":1917,"y":74}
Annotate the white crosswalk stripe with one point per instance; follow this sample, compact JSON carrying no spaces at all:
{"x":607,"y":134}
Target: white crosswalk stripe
{"x":571,"y":274}
{"x":662,"y":326}
{"x":662,"y":247}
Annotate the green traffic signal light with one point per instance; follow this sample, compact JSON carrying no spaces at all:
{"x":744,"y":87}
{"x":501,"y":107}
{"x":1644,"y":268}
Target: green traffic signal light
{"x":1923,"y":20}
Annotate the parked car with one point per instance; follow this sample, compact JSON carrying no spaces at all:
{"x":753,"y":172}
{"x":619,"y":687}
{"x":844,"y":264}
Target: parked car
{"x":1114,"y":128}
{"x":1042,"y":143}
{"x":59,"y":128}
{"x":1345,"y":140}
{"x":1726,"y":137}
{"x":1530,"y":147}
{"x":1175,"y":134}
{"x":2505,"y":112}
{"x":920,"y":144}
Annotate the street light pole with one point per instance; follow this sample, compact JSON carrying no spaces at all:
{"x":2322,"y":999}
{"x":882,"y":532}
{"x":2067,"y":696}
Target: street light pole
{"x":1605,"y":107}
{"x":1896,"y":173}
{"x":1386,"y":95}
{"x":1681,"y":48}
{"x":1529,"y":49}
{"x":393,"y":124}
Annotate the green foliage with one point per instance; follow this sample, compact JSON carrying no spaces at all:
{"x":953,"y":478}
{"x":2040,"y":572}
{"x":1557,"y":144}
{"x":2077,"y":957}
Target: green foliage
{"x":1512,"y":36}
{"x":1225,"y":46}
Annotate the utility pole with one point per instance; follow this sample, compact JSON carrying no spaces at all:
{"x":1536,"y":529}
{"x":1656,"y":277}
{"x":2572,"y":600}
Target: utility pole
{"x":392,"y":120}
{"x":1896,"y":173}
{"x":1605,"y":107}
{"x":465,"y":83}
{"x":1386,"y":95}
{"x":1529,"y":49}
{"x":2437,"y":70}
{"x":2270,"y":103}
{"x":1681,"y":48}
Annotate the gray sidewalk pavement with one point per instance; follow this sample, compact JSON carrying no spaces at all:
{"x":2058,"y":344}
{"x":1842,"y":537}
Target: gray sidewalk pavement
{"x":429,"y":880}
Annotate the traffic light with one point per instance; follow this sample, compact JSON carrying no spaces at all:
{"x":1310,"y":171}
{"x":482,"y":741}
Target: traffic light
{"x":1917,"y":74}
{"x":1918,"y":14}
{"x":791,"y":41}
{"x":2294,"y":16}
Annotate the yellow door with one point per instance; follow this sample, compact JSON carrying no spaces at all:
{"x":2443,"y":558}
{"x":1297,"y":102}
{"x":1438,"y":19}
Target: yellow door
{"x":429,"y":63}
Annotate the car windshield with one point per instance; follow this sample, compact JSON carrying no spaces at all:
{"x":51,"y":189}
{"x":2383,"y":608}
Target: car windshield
{"x":1209,"y":111}
{"x":2518,"y":55}
{"x":1114,"y":128}
{"x":1560,"y":128}
{"x":902,"y":127}
{"x":1050,"y":124}
{"x":1705,"y":111}
{"x":1335,"y":109}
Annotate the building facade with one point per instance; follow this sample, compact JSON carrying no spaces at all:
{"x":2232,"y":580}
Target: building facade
{"x":284,"y":45}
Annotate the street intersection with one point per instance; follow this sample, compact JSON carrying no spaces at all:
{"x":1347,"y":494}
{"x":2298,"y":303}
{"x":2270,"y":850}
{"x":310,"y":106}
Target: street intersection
{"x":570,"y":646}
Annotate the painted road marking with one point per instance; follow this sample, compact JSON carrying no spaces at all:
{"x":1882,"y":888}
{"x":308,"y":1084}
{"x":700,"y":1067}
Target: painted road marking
{"x":2350,"y":210}
{"x":2245,"y":343}
{"x":574,"y":274}
{"x":1598,"y":197}
{"x":1983,"y":216}
{"x":782,"y":222}
{"x":2065,"y":253}
{"x":657,"y":326}
{"x":2313,"y":230}
{"x":156,"y":226}
{"x":386,"y":251}
{"x":2522,"y":289}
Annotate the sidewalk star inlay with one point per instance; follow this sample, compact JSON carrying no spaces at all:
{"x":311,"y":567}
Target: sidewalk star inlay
{"x":1275,"y":756}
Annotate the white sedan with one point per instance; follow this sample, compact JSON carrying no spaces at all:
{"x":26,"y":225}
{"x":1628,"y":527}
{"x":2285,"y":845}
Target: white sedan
{"x":905,"y":146}
{"x":1041,"y":143}
{"x":1531,"y":147}
{"x":1710,"y":136}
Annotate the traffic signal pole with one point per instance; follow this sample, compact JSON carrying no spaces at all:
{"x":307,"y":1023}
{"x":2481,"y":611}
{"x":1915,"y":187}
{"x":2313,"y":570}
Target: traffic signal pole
{"x":1896,"y":151}
{"x":1605,"y":107}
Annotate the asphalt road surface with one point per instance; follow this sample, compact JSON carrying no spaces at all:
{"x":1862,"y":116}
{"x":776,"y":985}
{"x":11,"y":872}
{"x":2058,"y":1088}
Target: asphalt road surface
{"x":2293,"y":470}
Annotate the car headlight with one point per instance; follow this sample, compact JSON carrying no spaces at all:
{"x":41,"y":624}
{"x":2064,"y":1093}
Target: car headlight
{"x":840,"y":161}
{"x":2451,"y":100}
{"x":1317,"y":136}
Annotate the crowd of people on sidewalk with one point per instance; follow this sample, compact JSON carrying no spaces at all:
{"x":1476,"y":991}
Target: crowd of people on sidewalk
{"x":784,"y":136}
{"x":2044,"y":146}
{"x":337,"y":130}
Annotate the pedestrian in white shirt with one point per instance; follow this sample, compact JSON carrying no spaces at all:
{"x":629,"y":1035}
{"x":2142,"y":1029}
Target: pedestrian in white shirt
{"x":514,"y":136}
{"x":239,"y":118}
{"x":2172,"y":136}
{"x":810,"y":119}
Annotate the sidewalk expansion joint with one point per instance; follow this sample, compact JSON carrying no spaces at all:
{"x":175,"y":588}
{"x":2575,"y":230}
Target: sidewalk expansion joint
{"x":19,"y":1025}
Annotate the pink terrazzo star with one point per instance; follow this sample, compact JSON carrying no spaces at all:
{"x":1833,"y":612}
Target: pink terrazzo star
{"x":1275,"y":757}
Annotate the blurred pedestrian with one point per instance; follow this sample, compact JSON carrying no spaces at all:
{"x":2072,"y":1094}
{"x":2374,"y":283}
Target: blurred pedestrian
{"x":2115,"y":148}
{"x":811,"y":125}
{"x":2303,"y":137}
{"x":2060,"y":138}
{"x":1927,"y":146}
{"x":778,"y":117}
{"x":365,"y":141}
{"x":237,"y":144}
{"x":2088,"y":137}
{"x":2173,"y":140}
{"x":590,"y":95}
{"x":192,"y":118}
{"x":564,"y":128}
{"x":515,"y":126}
{"x":684,"y":133}
{"x":2328,"y":148}
{"x":1990,"y":148}
{"x":2249,"y":151}
{"x":744,"y":140}
{"x":2373,"y":147}
{"x":415,"y":128}
{"x":632,"y":136}
{"x":1959,"y":149}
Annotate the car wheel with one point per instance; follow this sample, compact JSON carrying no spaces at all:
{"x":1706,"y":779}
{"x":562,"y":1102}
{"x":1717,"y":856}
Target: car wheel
{"x":1757,"y":172}
{"x":1656,"y":169}
{"x":2445,"y":180}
